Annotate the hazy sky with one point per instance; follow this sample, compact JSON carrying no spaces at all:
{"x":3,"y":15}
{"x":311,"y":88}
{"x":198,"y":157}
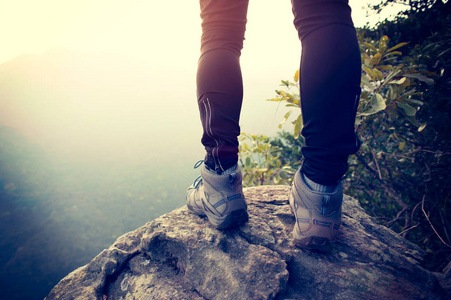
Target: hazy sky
{"x":140,"y":28}
{"x":163,"y":36}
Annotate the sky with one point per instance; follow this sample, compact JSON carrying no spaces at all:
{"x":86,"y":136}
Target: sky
{"x":164,"y":37}
{"x":151,"y":30}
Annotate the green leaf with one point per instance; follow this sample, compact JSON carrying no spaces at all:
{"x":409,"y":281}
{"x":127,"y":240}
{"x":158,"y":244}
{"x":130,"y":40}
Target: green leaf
{"x":298,"y":127}
{"x":369,"y":72}
{"x":399,"y":82}
{"x":378,"y":103}
{"x":369,"y":46}
{"x":393,"y":53}
{"x":285,"y":118}
{"x":408,"y":110}
{"x":414,"y":101}
{"x":409,"y":93}
{"x":290,"y":98}
{"x":394,"y":73}
{"x":385,"y":67}
{"x":383,"y":44}
{"x":365,"y":81}
{"x":375,"y":60}
{"x":420,"y":129}
{"x":421,"y":77}
{"x":396,"y":47}
{"x":379,"y":74}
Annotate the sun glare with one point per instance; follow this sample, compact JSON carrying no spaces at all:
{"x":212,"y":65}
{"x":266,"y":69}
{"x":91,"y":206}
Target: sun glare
{"x":144,"y":29}
{"x":148,"y":50}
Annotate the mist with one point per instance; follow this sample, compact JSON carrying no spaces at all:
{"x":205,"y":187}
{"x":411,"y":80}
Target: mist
{"x":91,"y":147}
{"x":95,"y":144}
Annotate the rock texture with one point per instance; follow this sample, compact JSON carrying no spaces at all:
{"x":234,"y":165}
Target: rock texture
{"x":180,"y":256}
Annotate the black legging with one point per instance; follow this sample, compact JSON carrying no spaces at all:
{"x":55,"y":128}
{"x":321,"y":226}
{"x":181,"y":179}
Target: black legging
{"x":329,"y":79}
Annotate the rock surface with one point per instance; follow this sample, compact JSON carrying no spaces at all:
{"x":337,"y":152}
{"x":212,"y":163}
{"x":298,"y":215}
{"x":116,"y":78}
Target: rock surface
{"x":180,"y":256}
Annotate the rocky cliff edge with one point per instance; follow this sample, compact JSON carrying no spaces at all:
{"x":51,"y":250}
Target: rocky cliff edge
{"x":180,"y":256}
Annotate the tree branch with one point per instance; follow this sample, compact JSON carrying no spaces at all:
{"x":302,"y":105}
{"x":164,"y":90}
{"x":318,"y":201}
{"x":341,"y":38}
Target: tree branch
{"x":432,"y":226}
{"x":383,"y":184}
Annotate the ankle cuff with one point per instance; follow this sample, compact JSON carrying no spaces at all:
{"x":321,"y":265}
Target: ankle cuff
{"x":318,"y":187}
{"x":229,"y":170}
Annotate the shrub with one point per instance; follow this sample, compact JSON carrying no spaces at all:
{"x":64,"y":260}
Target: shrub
{"x":401,"y":174}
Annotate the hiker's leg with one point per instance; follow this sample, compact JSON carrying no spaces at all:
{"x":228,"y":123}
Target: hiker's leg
{"x":330,"y":86}
{"x":330,"y":90}
{"x":219,"y":81}
{"x":218,"y":193}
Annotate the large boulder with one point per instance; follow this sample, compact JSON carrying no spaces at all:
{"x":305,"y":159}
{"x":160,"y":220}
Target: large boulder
{"x":180,"y":256}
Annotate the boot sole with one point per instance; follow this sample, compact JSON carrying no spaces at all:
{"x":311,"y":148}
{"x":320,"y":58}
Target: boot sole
{"x":234,"y":219}
{"x":314,"y":243}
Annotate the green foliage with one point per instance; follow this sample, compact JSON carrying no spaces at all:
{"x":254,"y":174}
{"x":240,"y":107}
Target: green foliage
{"x":261,"y":161}
{"x":401,"y":173}
{"x":415,"y":25}
{"x":292,"y":100}
{"x":291,"y":147}
{"x":387,"y":85}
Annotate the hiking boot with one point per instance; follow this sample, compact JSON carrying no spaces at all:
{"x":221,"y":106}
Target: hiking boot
{"x":318,"y":215}
{"x":219,"y":197}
